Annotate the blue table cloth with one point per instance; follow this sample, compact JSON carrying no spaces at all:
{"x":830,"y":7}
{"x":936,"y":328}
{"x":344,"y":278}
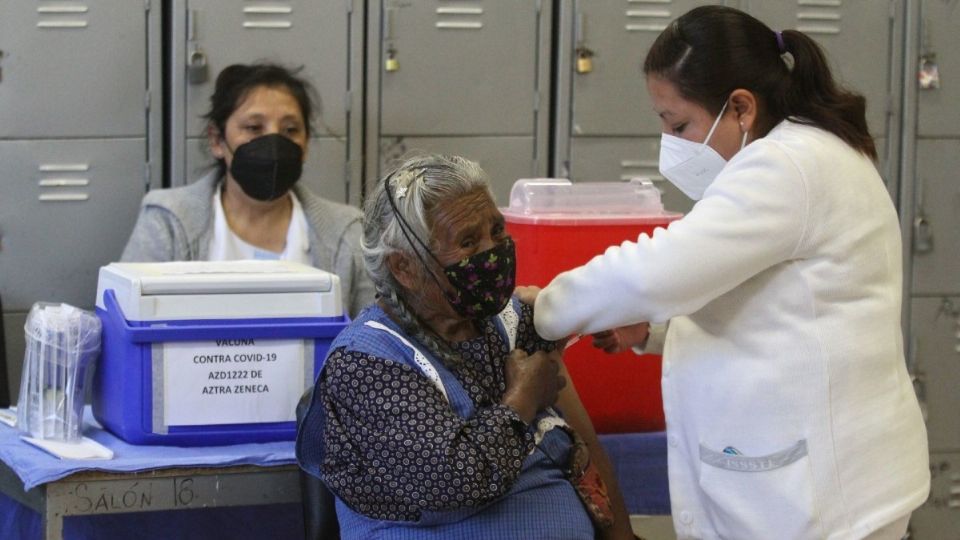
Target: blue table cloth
{"x":639,"y":459}
{"x":36,"y":467}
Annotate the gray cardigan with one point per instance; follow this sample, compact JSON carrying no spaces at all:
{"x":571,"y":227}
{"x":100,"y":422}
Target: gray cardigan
{"x":177,"y":225}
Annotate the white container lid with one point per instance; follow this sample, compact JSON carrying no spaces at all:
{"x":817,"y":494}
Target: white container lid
{"x":222,"y":277}
{"x":220,"y":289}
{"x":558,"y":200}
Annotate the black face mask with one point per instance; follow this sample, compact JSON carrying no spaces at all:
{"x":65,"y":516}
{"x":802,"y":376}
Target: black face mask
{"x":267,"y":167}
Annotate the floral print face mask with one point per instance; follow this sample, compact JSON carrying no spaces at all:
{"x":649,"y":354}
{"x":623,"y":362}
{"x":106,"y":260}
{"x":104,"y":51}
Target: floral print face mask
{"x":483,"y":282}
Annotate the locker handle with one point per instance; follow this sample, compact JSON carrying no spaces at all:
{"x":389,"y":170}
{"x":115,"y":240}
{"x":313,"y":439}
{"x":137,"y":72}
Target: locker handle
{"x":388,"y":24}
{"x":192,"y":16}
{"x":922,"y":235}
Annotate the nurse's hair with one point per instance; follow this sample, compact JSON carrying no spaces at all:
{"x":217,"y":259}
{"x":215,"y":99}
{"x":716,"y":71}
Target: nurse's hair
{"x":398,"y":218}
{"x":710,"y":51}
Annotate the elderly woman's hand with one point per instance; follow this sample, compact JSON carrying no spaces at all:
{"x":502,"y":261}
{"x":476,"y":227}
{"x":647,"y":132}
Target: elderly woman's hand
{"x":533,"y":382}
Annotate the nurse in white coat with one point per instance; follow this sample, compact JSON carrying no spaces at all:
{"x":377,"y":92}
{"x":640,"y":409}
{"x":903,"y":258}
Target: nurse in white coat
{"x":790,"y":413}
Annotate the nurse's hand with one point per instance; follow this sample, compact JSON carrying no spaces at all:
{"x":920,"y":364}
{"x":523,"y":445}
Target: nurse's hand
{"x":527,"y":293}
{"x":623,"y":338}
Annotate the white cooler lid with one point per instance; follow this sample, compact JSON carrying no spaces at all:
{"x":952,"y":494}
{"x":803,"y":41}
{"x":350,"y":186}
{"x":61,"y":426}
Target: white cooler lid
{"x":222,"y":277}
{"x":150,"y":290}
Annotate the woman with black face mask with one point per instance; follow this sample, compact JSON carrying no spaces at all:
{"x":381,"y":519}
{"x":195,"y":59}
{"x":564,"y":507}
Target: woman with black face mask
{"x":440,"y":413}
{"x":250,"y":205}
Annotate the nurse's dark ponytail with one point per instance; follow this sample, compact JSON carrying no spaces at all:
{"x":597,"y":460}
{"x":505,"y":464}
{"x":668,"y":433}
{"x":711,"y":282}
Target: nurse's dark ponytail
{"x":711,"y":51}
{"x":813,"y":97}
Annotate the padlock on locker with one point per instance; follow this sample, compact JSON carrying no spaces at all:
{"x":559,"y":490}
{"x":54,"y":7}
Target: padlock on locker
{"x":391,"y":63}
{"x":197,"y":69}
{"x":584,"y":60}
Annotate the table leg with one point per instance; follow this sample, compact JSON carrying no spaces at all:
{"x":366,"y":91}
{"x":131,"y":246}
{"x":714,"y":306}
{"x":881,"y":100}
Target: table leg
{"x":52,"y":521}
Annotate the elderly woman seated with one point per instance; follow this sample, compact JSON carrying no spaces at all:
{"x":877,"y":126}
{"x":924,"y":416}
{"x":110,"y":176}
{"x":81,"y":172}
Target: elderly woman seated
{"x":440,"y":413}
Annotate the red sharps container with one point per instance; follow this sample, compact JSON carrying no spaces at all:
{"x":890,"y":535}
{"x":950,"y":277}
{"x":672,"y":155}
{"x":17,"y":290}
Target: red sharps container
{"x":558,"y":225}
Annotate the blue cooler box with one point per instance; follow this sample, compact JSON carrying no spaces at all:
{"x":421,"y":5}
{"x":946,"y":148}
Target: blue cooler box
{"x":210,"y":353}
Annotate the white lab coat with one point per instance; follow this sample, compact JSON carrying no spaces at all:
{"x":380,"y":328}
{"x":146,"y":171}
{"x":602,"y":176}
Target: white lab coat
{"x":783,"y":290}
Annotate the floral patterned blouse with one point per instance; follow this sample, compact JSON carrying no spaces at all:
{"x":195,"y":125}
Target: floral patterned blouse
{"x":394,"y":446}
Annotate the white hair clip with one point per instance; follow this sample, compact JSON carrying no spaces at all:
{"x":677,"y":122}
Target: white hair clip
{"x":785,"y":55}
{"x":403,"y":180}
{"x":788,"y":60}
{"x":400,"y":183}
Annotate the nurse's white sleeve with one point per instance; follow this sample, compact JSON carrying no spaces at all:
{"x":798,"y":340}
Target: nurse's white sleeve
{"x":752,"y":217}
{"x":656,"y":337}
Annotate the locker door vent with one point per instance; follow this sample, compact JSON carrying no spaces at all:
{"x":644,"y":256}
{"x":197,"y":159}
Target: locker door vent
{"x":819,"y":16}
{"x":270,"y":16}
{"x":63,"y":182}
{"x":463,"y":16}
{"x":62,"y":15}
{"x":647,"y":15}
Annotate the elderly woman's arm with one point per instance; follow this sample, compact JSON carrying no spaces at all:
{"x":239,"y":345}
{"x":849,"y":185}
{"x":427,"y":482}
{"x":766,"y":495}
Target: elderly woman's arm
{"x":576,"y":415}
{"x":394,"y":445}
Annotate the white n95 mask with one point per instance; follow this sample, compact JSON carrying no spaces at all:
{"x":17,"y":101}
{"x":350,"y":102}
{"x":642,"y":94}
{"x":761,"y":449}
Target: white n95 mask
{"x":689,"y":165}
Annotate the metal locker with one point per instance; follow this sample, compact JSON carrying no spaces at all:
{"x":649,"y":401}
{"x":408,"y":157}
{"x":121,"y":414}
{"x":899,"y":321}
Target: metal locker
{"x":79,"y":144}
{"x":936,"y":220}
{"x":858,"y":37}
{"x":939,"y":115}
{"x":862,"y":40}
{"x":607,"y":159}
{"x":611,"y":97}
{"x":615,"y":37}
{"x":504,"y":159}
{"x":935,"y":359}
{"x":602,"y":93}
{"x":939,"y":517}
{"x":930,"y":220}
{"x":464,"y":70}
{"x":72,"y":69}
{"x":462,"y":78}
{"x":322,"y":36}
{"x":68,"y":207}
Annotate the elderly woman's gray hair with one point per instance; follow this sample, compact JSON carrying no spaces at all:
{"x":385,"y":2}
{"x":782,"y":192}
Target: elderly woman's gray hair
{"x":417,"y":186}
